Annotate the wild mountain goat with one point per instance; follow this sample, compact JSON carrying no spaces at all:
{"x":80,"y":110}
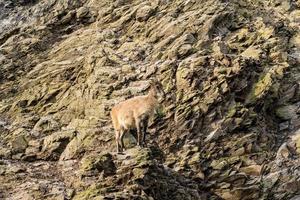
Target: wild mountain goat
{"x":135,"y":113}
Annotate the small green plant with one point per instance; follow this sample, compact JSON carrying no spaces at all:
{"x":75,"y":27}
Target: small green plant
{"x":159,"y":112}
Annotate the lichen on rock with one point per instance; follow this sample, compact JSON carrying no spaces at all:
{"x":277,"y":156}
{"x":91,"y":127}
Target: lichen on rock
{"x":227,"y":128}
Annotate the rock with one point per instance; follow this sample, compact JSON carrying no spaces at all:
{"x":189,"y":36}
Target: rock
{"x":252,"y":170}
{"x":239,"y":152}
{"x":252,"y":52}
{"x":44,"y":125}
{"x":295,"y":198}
{"x":181,"y":75}
{"x":283,"y":151}
{"x":68,"y":17}
{"x":55,"y":144}
{"x":270,"y":179}
{"x":70,"y":193}
{"x":82,"y":12}
{"x":19,"y":144}
{"x":15,"y":170}
{"x":144,"y":13}
{"x":286,"y":112}
{"x":227,"y":130}
{"x":260,"y":88}
{"x":141,"y":156}
{"x":296,"y":141}
{"x":227,"y":194}
{"x":218,"y":164}
{"x":78,"y":143}
{"x":100,"y":163}
{"x":284,"y":126}
{"x":5,"y":153}
{"x":292,"y":186}
{"x":213,"y":135}
{"x":33,"y":150}
{"x":92,"y":191}
{"x":195,"y":159}
{"x":184,"y":50}
{"x":141,"y":176}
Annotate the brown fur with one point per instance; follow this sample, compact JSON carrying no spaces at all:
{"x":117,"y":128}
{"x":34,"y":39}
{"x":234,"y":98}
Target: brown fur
{"x":134,"y":113}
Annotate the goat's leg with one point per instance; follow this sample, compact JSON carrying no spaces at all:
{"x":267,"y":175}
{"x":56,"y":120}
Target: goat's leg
{"x":144,"y":130}
{"x":138,"y":130}
{"x":118,"y":140}
{"x":122,"y":139}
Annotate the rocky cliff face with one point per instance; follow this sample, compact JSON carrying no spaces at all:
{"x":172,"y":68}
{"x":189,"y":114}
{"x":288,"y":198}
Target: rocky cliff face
{"x":229,"y":128}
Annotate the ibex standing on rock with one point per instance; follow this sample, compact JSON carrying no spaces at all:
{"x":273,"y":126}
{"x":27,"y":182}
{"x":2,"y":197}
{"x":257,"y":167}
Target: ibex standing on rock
{"x":135,"y":113}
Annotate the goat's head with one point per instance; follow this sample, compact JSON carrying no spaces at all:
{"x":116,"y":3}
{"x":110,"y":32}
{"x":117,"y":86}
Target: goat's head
{"x":157,"y":89}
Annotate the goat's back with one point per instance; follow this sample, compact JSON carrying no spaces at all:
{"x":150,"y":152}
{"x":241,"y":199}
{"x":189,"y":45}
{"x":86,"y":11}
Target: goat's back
{"x":130,"y":110}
